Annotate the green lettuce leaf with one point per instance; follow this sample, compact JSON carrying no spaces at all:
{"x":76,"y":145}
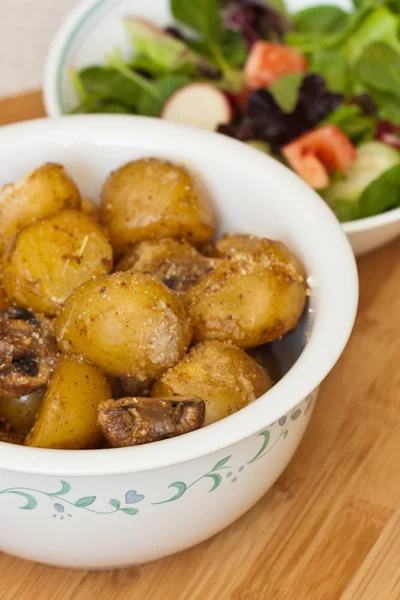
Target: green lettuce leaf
{"x":332,"y":66}
{"x":152,"y":104}
{"x":107,"y":83}
{"x":202,"y":16}
{"x":159,"y":51}
{"x":379,"y":68}
{"x":381,"y":195}
{"x":353,"y":123}
{"x":286,"y":90}
{"x":320,"y":19}
{"x":381,"y":25}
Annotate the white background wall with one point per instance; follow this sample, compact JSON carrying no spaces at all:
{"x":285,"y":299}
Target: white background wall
{"x":26,"y":30}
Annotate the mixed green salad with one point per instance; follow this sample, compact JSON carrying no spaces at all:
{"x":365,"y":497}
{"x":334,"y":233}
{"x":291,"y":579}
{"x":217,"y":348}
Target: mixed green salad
{"x":319,"y":89}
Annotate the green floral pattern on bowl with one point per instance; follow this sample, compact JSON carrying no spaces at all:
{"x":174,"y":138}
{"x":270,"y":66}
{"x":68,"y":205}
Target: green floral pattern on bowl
{"x":62,"y":506}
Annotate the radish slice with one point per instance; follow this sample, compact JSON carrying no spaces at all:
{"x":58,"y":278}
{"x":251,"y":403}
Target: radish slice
{"x":198,"y":104}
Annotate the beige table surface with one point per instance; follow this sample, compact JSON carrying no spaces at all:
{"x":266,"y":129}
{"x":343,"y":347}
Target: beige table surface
{"x":27,"y":28}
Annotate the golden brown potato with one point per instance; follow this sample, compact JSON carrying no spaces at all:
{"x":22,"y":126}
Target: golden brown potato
{"x":128,"y":324}
{"x":148,"y":255}
{"x":279,"y":254}
{"x":42,"y":192}
{"x":249,"y":299}
{"x":4,"y":301}
{"x":230,"y":243}
{"x":67,"y":418}
{"x":174,"y":262}
{"x":20,"y":413}
{"x":224,"y":376}
{"x":153,"y":199}
{"x":90,"y":208}
{"x":51,"y":257}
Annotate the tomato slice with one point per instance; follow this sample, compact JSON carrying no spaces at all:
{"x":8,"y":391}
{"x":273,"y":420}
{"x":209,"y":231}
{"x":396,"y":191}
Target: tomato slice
{"x":268,"y":62}
{"x":317,"y":152}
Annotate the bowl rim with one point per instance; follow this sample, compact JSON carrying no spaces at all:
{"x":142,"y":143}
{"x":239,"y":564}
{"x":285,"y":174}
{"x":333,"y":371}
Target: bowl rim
{"x":336,"y":299}
{"x":58,"y":52}
{"x":372,"y":223}
{"x":52,"y":94}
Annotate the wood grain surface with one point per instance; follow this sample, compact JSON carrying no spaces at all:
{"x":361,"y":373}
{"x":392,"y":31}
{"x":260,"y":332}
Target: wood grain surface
{"x":330,"y":527}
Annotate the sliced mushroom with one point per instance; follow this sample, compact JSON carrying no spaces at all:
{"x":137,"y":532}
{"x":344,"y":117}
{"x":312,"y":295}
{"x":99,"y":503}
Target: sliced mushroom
{"x":28,"y":352}
{"x":134,"y":421}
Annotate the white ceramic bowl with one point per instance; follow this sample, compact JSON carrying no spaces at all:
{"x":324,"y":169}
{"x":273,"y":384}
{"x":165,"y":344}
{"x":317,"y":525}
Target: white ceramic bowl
{"x":110,"y":508}
{"x":94,"y":28}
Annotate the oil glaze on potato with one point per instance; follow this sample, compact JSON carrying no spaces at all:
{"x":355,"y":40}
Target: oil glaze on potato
{"x":51,"y":257}
{"x":128,"y":324}
{"x":174,"y":262}
{"x":42,"y":192}
{"x":222,"y":375}
{"x":249,"y":299}
{"x":153,"y":199}
{"x":67,"y":418}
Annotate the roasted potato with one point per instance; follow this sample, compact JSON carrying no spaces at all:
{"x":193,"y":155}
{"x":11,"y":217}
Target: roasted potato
{"x":67,"y":418}
{"x":224,"y":376}
{"x":278,"y":253}
{"x":51,"y":257}
{"x":4,"y":301}
{"x":20,"y":413}
{"x":90,"y":208}
{"x":249,"y":299}
{"x":128,"y":324}
{"x":153,"y":199}
{"x":148,"y":255}
{"x":230,"y":243}
{"x":42,"y":192}
{"x":174,"y":262}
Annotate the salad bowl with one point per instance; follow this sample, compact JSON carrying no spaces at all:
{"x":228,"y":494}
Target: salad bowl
{"x":109,"y":508}
{"x":95,"y":28}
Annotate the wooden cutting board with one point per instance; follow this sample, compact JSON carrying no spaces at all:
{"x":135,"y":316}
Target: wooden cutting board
{"x":330,"y":527}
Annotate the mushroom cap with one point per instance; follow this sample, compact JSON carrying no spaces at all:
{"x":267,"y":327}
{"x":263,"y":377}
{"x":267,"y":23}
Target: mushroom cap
{"x":134,"y":421}
{"x":28,"y":352}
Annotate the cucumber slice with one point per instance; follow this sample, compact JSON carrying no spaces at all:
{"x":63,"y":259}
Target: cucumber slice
{"x":259,"y":145}
{"x":373,"y":159}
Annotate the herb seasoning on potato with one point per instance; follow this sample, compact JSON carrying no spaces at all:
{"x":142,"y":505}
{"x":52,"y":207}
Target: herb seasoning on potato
{"x":127,"y":324}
